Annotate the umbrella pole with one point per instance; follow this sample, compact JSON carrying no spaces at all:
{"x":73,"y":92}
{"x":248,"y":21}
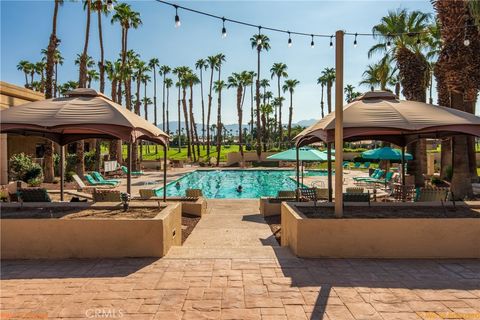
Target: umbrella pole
{"x":329,"y":171}
{"x":302,"y":171}
{"x":62,"y":172}
{"x":403,"y":165}
{"x":165,"y":173}
{"x":129,"y":165}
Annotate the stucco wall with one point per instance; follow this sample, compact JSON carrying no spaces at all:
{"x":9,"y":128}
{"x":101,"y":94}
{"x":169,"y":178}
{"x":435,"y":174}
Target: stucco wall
{"x":380,"y":238}
{"x":91,"y":238}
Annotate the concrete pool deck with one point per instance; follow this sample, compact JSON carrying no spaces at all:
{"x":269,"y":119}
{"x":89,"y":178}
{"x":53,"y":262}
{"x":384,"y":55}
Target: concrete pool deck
{"x":232,"y":268}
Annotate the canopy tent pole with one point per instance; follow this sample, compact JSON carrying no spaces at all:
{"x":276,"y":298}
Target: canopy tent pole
{"x":403,"y":165}
{"x":62,"y":172}
{"x":339,"y":123}
{"x":329,"y":171}
{"x":129,"y":167}
{"x":297,"y":154}
{"x":165,"y":173}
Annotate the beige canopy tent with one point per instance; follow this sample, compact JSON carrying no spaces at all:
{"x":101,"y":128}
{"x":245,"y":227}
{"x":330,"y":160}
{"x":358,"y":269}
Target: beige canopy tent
{"x":380,"y":115}
{"x":82,"y":114}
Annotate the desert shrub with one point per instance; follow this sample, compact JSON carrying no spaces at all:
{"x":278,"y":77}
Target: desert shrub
{"x":34,"y":182}
{"x":22,"y":167}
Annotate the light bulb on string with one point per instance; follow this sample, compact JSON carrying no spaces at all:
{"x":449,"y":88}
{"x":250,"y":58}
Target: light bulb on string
{"x":331,"y":41}
{"x":177,"y":18}
{"x":355,"y":41}
{"x":289,"y":40}
{"x":466,"y":41}
{"x":224,"y":30}
{"x":312,"y":44}
{"x":110,"y":5}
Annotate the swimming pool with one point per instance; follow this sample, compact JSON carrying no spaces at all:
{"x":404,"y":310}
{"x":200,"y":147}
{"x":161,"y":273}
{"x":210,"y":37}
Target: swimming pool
{"x":222,"y":184}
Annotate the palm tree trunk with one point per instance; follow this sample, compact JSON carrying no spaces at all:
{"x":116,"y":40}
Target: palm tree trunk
{"x":290,"y":114}
{"x":321,"y":103}
{"x":219,"y":126}
{"x":101,"y":66}
{"x":209,"y":111}
{"x":251,"y":111}
{"x":203,"y":108}
{"x":259,"y":130}
{"x":82,"y":79}
{"x":163,"y":104}
{"x":80,"y":152}
{"x":280,"y":128}
{"x":179,"y":124}
{"x":167,"y":113}
{"x":194,"y":126}
{"x":329,"y":96}
{"x":187,"y":129}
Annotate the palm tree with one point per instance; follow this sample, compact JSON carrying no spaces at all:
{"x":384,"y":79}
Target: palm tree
{"x":50,"y":54}
{"x":192,"y":79}
{"x":260,"y":42}
{"x":264,"y":84}
{"x":164,"y":70}
{"x":219,"y":85}
{"x":279,"y":70}
{"x":251,"y":76}
{"x":350,"y":92}
{"x":237,"y":80}
{"x":25,"y":67}
{"x":202,"y":64}
{"x":82,"y":77}
{"x":127,"y":18}
{"x":322,"y":81}
{"x":457,"y":70}
{"x":112,"y":70}
{"x":289,"y":86}
{"x":370,"y":77}
{"x":329,"y":76}
{"x":177,"y":71}
{"x":145,"y":80}
{"x":182,"y":84}
{"x":92,"y":75}
{"x":412,"y":65}
{"x":168,"y":84}
{"x":213,"y":64}
{"x":140,"y":68}
{"x":39,"y":68}
{"x":153,"y":64}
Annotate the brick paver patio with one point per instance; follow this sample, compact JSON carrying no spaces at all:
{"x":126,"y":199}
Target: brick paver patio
{"x":212,"y":285}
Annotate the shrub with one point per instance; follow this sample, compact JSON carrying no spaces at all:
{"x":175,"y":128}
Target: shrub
{"x":22,"y":167}
{"x":69,"y":176}
{"x":34,"y":182}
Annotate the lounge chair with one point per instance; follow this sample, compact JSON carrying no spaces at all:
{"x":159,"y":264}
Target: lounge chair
{"x":98,"y":176}
{"x":133,"y":173}
{"x":354,"y":190}
{"x":93,"y":182}
{"x":357,"y":165}
{"x":34,"y":195}
{"x":434,"y":194}
{"x":375,"y":175}
{"x":366,"y":165}
{"x":308,"y":194}
{"x":388,"y":177}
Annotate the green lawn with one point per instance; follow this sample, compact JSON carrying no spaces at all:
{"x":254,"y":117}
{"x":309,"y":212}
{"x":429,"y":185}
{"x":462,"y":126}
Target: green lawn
{"x":174,"y":154}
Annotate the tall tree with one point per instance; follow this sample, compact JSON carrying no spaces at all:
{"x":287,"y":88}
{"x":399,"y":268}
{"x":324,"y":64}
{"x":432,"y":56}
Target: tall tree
{"x":201,"y":65}
{"x":112,"y":69}
{"x":459,"y":69}
{"x":322,"y":81}
{"x":329,"y":76}
{"x":264,"y":84}
{"x":168,"y":84}
{"x":25,"y":66}
{"x":252,"y":75}
{"x":164,"y":71}
{"x":181,"y":72}
{"x":279,"y":70}
{"x":40,"y":70}
{"x":219,"y":85}
{"x":192,"y":79}
{"x":82,"y":78}
{"x":412,"y":65}
{"x":289,"y":86}
{"x":260,"y":42}
{"x":237,"y":81}
{"x":350,"y":92}
{"x":101,"y":8}
{"x":213,"y":65}
{"x":153,"y":64}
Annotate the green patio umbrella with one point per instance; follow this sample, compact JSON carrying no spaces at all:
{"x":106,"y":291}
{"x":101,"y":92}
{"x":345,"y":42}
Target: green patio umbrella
{"x":304,"y":154}
{"x":385,"y":153}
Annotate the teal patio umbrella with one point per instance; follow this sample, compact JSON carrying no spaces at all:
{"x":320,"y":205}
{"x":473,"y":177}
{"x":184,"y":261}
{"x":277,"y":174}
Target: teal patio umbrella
{"x":385,"y":153}
{"x":304,"y":154}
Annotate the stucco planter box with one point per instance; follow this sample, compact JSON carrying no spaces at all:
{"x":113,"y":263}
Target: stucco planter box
{"x":92,"y":237}
{"x":379,"y":237}
{"x":270,"y":206}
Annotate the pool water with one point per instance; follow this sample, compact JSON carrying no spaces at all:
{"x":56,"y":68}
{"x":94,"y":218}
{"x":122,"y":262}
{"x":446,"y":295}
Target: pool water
{"x":222,"y":184}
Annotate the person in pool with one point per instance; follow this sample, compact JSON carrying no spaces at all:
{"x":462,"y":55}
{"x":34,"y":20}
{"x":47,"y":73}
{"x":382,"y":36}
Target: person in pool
{"x":177,"y":185}
{"x":239,"y":189}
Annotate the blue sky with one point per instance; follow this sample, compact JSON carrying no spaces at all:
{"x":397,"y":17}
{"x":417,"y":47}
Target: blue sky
{"x":26,"y":25}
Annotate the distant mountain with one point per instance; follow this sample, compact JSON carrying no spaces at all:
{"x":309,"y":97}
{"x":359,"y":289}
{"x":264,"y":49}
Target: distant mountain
{"x":234,"y":127}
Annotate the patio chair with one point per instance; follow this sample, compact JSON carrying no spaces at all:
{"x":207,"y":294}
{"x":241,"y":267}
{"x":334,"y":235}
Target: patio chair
{"x":346,"y":164}
{"x":373,"y":175}
{"x":322,"y":193}
{"x":106,"y":196}
{"x":93,"y":182}
{"x":34,"y":195}
{"x":98,"y":176}
{"x":354,"y":190}
{"x":388,"y":177}
{"x":434,"y":194}
{"x":286,"y":194}
{"x":193,"y":193}
{"x":404,"y":193}
{"x":133,"y":173}
{"x":308,"y":194}
{"x":357,"y":165}
{"x":366,"y":165}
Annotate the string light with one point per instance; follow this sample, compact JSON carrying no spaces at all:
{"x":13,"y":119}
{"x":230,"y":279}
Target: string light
{"x":331,"y":42}
{"x":177,"y":18}
{"x":289,"y":40}
{"x":110,"y":6}
{"x":355,"y":41}
{"x":312,"y":44}
{"x":224,"y":30}
{"x":466,"y":41}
